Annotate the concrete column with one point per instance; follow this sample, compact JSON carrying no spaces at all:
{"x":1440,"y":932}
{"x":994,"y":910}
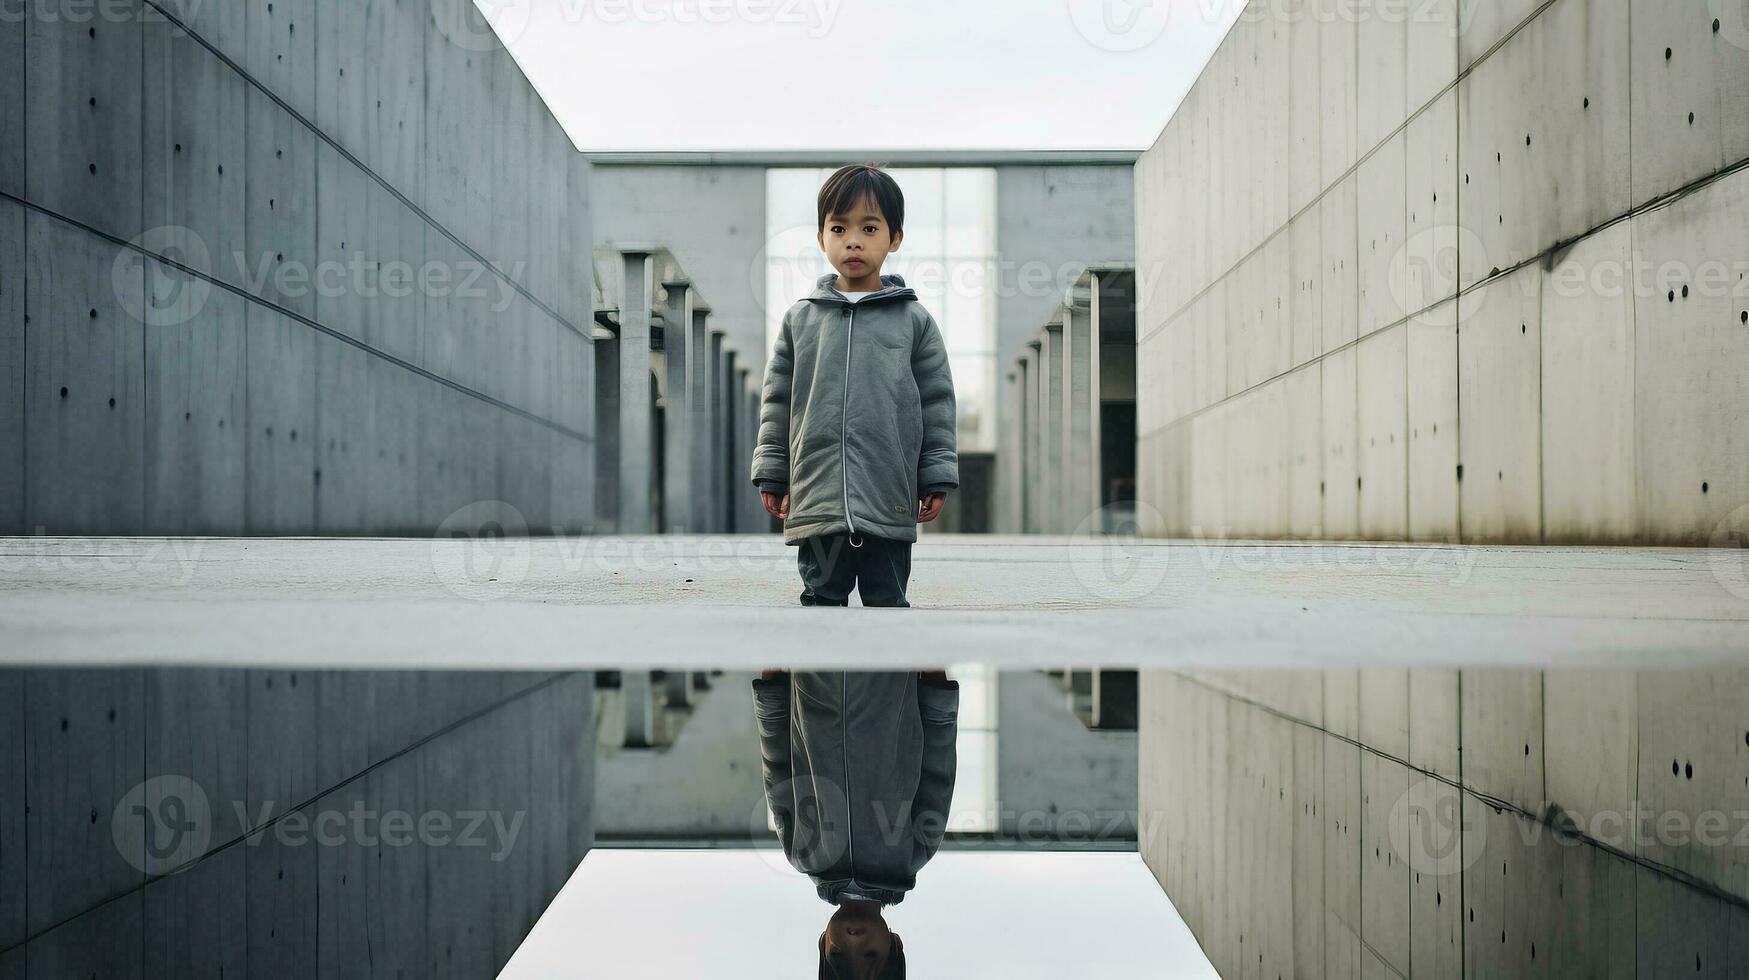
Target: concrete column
{"x":740,"y":488}
{"x":638,"y":695}
{"x":677,"y":452}
{"x":637,"y":471}
{"x":1008,"y":460}
{"x":1096,"y":339}
{"x":716,"y":457}
{"x":1080,"y":439}
{"x":725,"y":411}
{"x":758,"y":519}
{"x":698,"y":409}
{"x":1029,"y":413}
{"x":607,"y":460}
{"x":1051,"y":455}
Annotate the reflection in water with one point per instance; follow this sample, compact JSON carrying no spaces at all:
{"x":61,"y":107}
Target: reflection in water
{"x":859,"y":773}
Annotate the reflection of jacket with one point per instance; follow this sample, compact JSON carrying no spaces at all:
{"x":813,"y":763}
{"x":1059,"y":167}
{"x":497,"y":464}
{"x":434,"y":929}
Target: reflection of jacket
{"x":859,"y":772}
{"x":857,"y":413}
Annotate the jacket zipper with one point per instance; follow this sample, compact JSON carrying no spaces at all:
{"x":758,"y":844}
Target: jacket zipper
{"x":844,"y":421}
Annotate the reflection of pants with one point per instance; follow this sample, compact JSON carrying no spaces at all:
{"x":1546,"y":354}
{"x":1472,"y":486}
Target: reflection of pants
{"x":831,"y":563}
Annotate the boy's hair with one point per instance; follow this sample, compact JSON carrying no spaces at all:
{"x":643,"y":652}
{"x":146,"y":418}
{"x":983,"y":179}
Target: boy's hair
{"x":834,"y":967}
{"x":851,"y":184}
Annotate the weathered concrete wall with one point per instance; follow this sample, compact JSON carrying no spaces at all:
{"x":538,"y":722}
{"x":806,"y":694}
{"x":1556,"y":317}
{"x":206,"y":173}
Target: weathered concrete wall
{"x":1452,"y":271}
{"x":285,"y":782}
{"x":301,"y":267}
{"x":1438,"y":823}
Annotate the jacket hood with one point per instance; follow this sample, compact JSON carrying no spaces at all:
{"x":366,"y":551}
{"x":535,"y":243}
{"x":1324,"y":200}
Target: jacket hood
{"x":892,"y":287}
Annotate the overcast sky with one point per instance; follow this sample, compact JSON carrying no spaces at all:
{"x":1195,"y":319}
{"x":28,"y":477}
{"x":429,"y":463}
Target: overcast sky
{"x":852,"y":74}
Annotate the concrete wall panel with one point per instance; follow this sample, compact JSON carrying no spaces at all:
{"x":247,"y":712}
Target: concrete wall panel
{"x":82,"y":121}
{"x":12,"y":810}
{"x":1305,"y":261}
{"x":83,"y":732}
{"x":279,"y":252}
{"x":1690,"y":321}
{"x":1340,"y":287}
{"x":1309,"y":814}
{"x":1570,"y":133}
{"x":1338,"y":77}
{"x":195,"y":368}
{"x":12,"y":367}
{"x":1385,"y":878}
{"x":1588,"y":392}
{"x":104,"y":942}
{"x":1302,"y":400}
{"x":192,"y":152}
{"x":1499,"y":401}
{"x":1591,"y":742}
{"x":345,"y":438}
{"x":1679,"y":108}
{"x":1509,"y":891}
{"x":1384,"y":712}
{"x":1382,"y":480}
{"x":1341,"y":455}
{"x":1680,"y":931}
{"x":1428,"y":821}
{"x":1342,"y":861}
{"x":1484,"y":25}
{"x":1305,"y":99}
{"x":1425,"y":270}
{"x":1433,"y":424}
{"x":1433,"y":721}
{"x":1502,"y":724}
{"x":195,"y":922}
{"x":1593,"y":927}
{"x":1691,"y":774}
{"x":281,"y":417}
{"x":84,"y":394}
{"x":12,"y":111}
{"x":1383,"y":46}
{"x":281,"y":51}
{"x":1382,"y":218}
{"x":1432,"y":44}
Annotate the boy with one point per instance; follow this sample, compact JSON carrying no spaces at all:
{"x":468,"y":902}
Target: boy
{"x":859,"y":770}
{"x":857,"y":439}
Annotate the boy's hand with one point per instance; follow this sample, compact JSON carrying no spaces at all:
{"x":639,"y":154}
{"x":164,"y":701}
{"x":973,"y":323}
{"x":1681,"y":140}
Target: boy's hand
{"x":775,"y":505}
{"x":930,"y":507}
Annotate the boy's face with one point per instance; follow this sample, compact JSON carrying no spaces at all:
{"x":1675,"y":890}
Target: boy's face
{"x":858,"y":243}
{"x":863,"y":937}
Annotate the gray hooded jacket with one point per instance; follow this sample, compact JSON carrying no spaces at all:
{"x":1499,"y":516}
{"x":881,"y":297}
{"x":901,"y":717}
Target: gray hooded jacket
{"x":859,"y":771}
{"x":857,"y":418}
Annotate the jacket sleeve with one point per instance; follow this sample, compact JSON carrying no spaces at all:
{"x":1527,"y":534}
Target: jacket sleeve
{"x":938,"y":703}
{"x":771,"y":453}
{"x":771,"y":711}
{"x":938,"y":465}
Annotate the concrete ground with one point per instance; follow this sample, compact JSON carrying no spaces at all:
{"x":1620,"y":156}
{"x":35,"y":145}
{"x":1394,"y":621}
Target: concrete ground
{"x":732,"y":601}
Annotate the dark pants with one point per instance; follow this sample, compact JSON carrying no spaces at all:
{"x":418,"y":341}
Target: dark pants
{"x":831,"y":564}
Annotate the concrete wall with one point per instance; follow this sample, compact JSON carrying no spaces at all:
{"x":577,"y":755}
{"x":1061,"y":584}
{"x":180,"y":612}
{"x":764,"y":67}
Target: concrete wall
{"x":265,"y":894}
{"x":1055,"y":776}
{"x":1449,"y":271}
{"x":1438,"y":823}
{"x":301,"y":267}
